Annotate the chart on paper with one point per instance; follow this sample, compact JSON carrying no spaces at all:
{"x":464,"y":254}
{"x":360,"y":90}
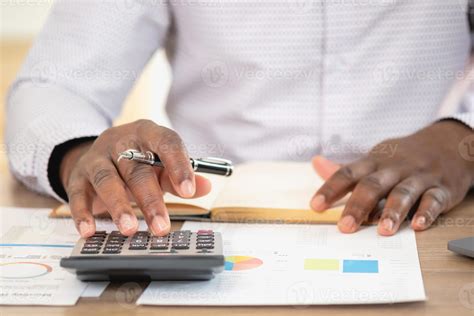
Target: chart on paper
{"x":301,"y":265}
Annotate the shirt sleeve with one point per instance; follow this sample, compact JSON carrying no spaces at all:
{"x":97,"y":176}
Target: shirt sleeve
{"x":466,"y":112}
{"x":76,"y":77}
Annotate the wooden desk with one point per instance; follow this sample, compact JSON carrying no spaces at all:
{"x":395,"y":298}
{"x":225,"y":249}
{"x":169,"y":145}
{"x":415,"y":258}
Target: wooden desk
{"x":448,"y":278}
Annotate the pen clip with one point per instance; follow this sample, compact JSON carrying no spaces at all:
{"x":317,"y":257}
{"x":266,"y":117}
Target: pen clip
{"x":217,"y":161}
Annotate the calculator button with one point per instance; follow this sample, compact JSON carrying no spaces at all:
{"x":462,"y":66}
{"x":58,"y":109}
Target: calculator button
{"x":93,"y":242}
{"x":177,"y":238}
{"x":112,"y":246}
{"x":112,"y":250}
{"x":100,"y":232}
{"x":117,"y":233}
{"x":205,"y":238}
{"x":119,"y":239}
{"x":89,"y":251}
{"x":141,"y":233}
{"x":159,"y":246}
{"x":114,"y":242}
{"x":138,"y":242}
{"x":137,"y":247}
{"x":182,"y":233}
{"x":205,"y":245}
{"x":205,"y":233}
{"x":180,"y":245}
{"x":96,"y":238}
{"x":92,"y":245}
{"x":180,"y":241}
{"x":159,"y":239}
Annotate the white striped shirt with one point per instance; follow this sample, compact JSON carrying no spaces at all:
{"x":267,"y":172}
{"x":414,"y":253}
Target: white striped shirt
{"x":252,"y":79}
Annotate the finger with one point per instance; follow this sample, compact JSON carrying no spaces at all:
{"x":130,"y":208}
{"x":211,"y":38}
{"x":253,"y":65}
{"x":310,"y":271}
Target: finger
{"x":110,"y":188}
{"x":365,"y":197}
{"x":433,"y":203}
{"x":143,"y":184}
{"x":170,"y":148}
{"x":340,"y":183}
{"x":80,"y":202}
{"x":203,"y":185}
{"x":98,"y":206}
{"x":399,"y":202}
{"x":325,"y":168}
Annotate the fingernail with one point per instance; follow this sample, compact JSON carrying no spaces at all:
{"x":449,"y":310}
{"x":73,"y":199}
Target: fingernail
{"x":187,"y":188}
{"x":127,"y":222}
{"x":318,"y":202}
{"x":159,"y":225}
{"x":387,"y":224}
{"x":348,"y":223}
{"x":420,"y":221}
{"x":85,"y":229}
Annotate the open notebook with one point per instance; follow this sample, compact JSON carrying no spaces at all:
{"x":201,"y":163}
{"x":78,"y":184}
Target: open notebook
{"x":257,"y":191}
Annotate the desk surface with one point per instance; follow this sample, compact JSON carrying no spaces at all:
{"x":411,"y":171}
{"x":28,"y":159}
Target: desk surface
{"x":448,"y":278}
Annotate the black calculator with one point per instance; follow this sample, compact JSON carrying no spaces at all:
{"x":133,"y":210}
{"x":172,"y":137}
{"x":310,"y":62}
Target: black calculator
{"x":181,"y":255}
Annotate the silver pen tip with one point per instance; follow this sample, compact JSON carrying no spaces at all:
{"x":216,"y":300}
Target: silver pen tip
{"x":125,"y":155}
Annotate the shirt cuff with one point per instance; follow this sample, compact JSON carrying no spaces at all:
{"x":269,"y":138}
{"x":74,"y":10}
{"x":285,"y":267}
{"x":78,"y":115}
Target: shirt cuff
{"x":55,"y":163}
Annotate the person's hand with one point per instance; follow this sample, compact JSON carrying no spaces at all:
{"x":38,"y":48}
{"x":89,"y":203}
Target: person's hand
{"x":427,"y":167}
{"x":96,"y":182}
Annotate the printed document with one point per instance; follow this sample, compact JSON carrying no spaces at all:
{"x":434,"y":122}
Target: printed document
{"x":301,"y":265}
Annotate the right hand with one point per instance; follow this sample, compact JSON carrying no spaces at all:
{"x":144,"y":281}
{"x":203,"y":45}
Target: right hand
{"x":95,"y":182}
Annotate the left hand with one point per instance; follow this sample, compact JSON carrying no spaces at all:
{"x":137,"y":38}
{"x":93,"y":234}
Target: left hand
{"x":427,"y":166}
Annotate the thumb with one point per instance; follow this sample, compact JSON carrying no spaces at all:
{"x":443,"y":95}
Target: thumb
{"x":324,"y":168}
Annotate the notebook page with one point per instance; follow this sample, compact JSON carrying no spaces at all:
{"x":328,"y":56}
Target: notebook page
{"x":270,"y":185}
{"x":204,"y":202}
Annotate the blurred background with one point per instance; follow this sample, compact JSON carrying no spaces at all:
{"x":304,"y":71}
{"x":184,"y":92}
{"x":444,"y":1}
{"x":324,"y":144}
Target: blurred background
{"x":21,"y":20}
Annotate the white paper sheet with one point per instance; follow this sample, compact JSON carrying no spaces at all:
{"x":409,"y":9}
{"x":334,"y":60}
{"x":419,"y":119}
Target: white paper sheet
{"x":94,"y":289}
{"x":301,"y":265}
{"x":31,"y":246}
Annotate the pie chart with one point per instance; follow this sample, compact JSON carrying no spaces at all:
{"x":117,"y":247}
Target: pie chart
{"x":23,"y":270}
{"x":239,"y":263}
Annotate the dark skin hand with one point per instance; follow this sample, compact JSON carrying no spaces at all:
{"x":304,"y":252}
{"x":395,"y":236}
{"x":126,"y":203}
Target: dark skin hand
{"x":427,"y":167}
{"x":96,"y":182}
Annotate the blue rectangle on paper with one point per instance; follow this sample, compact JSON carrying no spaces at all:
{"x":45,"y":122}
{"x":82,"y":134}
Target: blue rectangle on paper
{"x":360,"y":266}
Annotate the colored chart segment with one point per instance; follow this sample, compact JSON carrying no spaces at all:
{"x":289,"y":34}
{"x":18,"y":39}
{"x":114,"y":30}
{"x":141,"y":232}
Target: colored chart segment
{"x":321,"y":264}
{"x":348,"y":265}
{"x":23,"y":270}
{"x":360,"y":266}
{"x":238,"y":263}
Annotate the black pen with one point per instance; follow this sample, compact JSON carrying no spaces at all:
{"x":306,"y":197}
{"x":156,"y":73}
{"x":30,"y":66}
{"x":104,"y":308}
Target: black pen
{"x":211,"y":165}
